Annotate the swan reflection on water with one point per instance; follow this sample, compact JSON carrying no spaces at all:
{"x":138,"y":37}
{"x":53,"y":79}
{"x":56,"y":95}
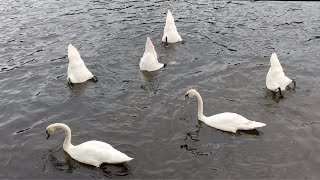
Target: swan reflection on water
{"x":78,"y":89}
{"x":276,"y":96}
{"x":149,"y":80}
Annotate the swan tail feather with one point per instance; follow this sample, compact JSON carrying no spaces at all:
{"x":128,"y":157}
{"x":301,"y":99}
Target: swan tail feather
{"x":73,"y":53}
{"x":149,"y":45}
{"x":257,"y":124}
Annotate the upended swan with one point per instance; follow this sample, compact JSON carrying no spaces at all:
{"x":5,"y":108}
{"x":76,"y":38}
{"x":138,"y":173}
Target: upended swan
{"x":224,"y":121}
{"x":77,"y":70}
{"x":91,"y":152}
{"x":276,"y":80}
{"x":149,"y":60}
{"x":170,"y":33}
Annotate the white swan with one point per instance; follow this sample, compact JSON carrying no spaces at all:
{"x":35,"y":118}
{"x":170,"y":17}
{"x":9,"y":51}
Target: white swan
{"x":276,"y":80}
{"x":77,"y":70}
{"x":170,"y":33}
{"x":91,"y":152}
{"x":149,"y":60}
{"x":224,"y":121}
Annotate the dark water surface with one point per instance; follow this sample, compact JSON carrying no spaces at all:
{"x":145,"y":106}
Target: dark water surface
{"x":225,"y":56}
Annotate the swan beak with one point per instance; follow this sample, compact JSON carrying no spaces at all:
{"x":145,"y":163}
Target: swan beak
{"x":186,"y":97}
{"x":48,"y":134}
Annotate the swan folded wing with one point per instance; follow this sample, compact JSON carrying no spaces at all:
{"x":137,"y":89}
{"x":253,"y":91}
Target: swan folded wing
{"x":276,"y":78}
{"x":149,"y":62}
{"x":272,"y":85}
{"x":92,"y":152}
{"x":78,"y":72}
{"x":230,"y":122}
{"x":97,"y":144}
{"x":172,"y":36}
{"x":284,"y":81}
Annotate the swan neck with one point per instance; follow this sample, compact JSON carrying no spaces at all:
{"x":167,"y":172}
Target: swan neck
{"x":200,"y":107}
{"x":67,"y":130}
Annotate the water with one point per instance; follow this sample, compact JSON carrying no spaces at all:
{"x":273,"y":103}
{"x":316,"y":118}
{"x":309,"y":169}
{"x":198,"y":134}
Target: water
{"x":225,"y":56}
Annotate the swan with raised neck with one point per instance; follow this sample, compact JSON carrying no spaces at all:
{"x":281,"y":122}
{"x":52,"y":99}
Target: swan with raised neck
{"x":91,"y":152}
{"x":170,"y":33}
{"x":77,"y":70}
{"x":149,"y":60}
{"x":224,"y":121}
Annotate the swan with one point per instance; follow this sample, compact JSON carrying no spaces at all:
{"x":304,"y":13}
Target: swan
{"x":77,"y":70}
{"x":276,"y":80}
{"x":170,"y":33}
{"x":149,"y":60}
{"x":91,"y":152}
{"x":224,"y":121}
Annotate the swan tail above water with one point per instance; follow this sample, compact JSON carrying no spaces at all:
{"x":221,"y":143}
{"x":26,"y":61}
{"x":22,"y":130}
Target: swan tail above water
{"x":127,"y":159}
{"x":149,"y":46}
{"x":169,"y":19}
{"x":120,"y":157}
{"x":255,"y":124}
{"x":73,"y":53}
{"x":251,"y":125}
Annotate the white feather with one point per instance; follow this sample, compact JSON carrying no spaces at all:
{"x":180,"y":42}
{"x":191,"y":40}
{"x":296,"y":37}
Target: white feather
{"x":170,"y":30}
{"x":77,"y":70}
{"x":149,"y":60}
{"x":276,"y":77}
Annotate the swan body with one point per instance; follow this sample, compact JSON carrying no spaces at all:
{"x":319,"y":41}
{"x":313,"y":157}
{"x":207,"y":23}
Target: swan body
{"x":170,"y":33}
{"x":91,"y":152}
{"x":77,"y":70}
{"x":276,"y":78}
{"x":224,"y":121}
{"x":149,"y":60}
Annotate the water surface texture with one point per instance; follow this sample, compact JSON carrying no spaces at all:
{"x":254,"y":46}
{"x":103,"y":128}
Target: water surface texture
{"x":225,"y":56}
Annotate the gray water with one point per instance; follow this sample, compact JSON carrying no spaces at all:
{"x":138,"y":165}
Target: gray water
{"x":225,"y":56}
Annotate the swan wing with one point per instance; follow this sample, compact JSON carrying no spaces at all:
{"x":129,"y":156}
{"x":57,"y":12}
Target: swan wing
{"x":95,"y":143}
{"x":77,"y":70}
{"x":228,"y":119}
{"x":78,"y":73}
{"x":284,"y":81}
{"x":271,"y":82}
{"x":149,"y":62}
{"x":96,"y":153}
{"x":232,"y":122}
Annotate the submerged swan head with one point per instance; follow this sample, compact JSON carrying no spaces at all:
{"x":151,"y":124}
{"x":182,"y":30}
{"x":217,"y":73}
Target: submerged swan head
{"x":190,"y":93}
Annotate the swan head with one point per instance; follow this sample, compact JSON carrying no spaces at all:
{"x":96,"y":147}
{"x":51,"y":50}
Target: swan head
{"x":190,"y":93}
{"x":50,"y":129}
